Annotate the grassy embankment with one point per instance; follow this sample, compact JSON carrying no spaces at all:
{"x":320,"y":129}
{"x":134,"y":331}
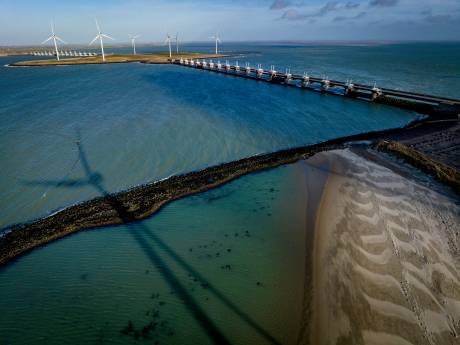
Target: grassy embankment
{"x":442,"y":172}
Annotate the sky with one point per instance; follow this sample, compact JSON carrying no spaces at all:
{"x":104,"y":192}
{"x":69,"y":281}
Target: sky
{"x":27,"y":22}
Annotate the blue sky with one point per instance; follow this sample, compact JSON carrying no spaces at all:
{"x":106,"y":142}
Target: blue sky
{"x":27,"y":21}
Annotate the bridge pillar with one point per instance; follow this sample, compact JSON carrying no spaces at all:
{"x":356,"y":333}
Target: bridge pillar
{"x":349,"y":89}
{"x":375,"y":94}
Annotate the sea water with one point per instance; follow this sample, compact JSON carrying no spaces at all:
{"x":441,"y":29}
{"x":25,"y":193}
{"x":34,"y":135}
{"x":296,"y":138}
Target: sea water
{"x":227,"y":265}
{"x":140,"y":123}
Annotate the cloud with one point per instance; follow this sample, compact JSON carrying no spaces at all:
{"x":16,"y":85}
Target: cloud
{"x":340,"y":19}
{"x":321,"y":12}
{"x":280,"y":4}
{"x":343,"y":18}
{"x":426,"y":12}
{"x":383,"y":3}
{"x":438,"y":18}
{"x":293,"y":15}
{"x":327,"y":8}
{"x":351,"y":5}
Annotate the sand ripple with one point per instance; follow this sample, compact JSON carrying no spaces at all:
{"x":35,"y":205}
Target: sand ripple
{"x":387,"y":259}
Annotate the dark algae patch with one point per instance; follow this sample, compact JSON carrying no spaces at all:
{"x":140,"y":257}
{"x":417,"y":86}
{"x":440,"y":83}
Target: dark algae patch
{"x":151,"y":330}
{"x":142,"y":201}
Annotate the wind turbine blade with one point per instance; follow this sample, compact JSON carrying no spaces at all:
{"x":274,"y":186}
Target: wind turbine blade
{"x":61,"y":40}
{"x":97,"y":25}
{"x":94,"y":40}
{"x":49,"y":38}
{"x":107,"y":36}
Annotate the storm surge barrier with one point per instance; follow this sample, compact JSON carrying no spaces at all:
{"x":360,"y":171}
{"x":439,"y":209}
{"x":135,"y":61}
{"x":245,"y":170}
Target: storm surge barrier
{"x":439,"y":107}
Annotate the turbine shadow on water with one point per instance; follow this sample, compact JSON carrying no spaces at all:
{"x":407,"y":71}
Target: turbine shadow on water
{"x":140,"y":232}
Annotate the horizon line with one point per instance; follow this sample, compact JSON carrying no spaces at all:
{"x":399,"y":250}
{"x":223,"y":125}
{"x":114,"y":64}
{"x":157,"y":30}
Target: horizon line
{"x":287,"y":41}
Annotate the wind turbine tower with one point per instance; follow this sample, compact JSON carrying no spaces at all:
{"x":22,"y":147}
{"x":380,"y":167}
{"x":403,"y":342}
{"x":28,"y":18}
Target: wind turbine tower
{"x":55,"y":39}
{"x":99,"y":37}
{"x":168,"y":40}
{"x":217,"y":38}
{"x":133,"y":42}
{"x":177,"y":43}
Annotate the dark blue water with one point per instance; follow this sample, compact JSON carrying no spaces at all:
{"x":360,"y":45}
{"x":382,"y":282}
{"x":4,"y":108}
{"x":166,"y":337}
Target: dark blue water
{"x":430,"y":68}
{"x":141,"y":123}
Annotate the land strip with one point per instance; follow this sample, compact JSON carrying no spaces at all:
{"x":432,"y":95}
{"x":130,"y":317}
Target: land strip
{"x":157,"y":58}
{"x":27,"y":51}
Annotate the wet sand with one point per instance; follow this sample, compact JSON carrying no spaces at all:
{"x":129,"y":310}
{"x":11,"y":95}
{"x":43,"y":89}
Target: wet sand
{"x":386,"y":257}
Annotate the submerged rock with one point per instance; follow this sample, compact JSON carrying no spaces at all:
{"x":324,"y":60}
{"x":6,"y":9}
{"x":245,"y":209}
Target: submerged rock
{"x":128,"y":329}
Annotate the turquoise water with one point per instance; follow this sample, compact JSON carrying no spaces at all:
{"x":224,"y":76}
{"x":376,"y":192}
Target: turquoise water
{"x":141,"y":123}
{"x":227,"y":265}
{"x":222,"y":266}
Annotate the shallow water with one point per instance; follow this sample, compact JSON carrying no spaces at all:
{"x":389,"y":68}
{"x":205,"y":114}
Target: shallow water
{"x":140,"y":123}
{"x":225,"y":263}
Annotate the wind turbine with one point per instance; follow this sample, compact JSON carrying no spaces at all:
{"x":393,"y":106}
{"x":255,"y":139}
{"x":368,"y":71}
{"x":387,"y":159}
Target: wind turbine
{"x":177,"y":43}
{"x":168,"y":40}
{"x":217,"y":38}
{"x":55,"y":39}
{"x":133,"y":42}
{"x":99,"y":37}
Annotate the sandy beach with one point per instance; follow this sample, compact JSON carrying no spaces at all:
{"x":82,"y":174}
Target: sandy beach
{"x":386,"y":257}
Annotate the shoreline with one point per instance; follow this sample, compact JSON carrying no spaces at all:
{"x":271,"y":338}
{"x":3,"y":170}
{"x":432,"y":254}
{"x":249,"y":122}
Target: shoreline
{"x":318,"y":305}
{"x":142,"y":201}
{"x":315,"y":177}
